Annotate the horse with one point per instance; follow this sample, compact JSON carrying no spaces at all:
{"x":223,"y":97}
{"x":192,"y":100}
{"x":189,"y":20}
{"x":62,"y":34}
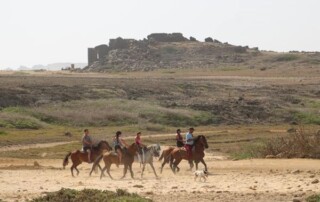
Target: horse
{"x":110,"y":158}
{"x":77,"y":157}
{"x":166,"y":159}
{"x":200,"y":143}
{"x":165,"y":156}
{"x":150,"y":152}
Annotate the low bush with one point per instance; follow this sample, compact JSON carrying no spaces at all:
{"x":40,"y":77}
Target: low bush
{"x":13,"y":120}
{"x":299,"y":144}
{"x":307,"y":117}
{"x":313,"y":198}
{"x":89,"y":195}
{"x":118,"y":112}
{"x":286,"y":57}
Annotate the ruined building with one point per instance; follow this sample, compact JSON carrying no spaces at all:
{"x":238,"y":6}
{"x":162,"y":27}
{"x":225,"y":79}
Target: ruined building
{"x":161,"y":50}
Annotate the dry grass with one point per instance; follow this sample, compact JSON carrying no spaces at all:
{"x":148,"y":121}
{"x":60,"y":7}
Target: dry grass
{"x":300,"y":143}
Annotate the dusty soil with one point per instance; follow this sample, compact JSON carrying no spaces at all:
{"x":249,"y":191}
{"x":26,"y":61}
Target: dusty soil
{"x":245,"y":180}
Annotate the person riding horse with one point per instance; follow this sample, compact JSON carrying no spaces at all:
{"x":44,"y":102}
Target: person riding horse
{"x":141,"y":147}
{"x":179,"y":139}
{"x":87,"y":143}
{"x":119,"y":143}
{"x":189,"y":144}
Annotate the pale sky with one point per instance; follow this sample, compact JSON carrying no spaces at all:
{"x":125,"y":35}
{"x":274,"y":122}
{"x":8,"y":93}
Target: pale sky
{"x":49,"y":31}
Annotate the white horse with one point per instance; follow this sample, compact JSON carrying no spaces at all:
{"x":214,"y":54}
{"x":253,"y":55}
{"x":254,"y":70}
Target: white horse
{"x":151,"y":151}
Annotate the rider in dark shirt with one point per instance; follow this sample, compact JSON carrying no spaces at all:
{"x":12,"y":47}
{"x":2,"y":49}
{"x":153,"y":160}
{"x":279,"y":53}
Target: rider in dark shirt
{"x":179,"y":139}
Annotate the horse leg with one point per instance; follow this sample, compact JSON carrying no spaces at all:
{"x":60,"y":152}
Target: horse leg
{"x":102,"y":171}
{"x":205,"y":165}
{"x":175,"y":165}
{"x":197,"y":162}
{"x":76,"y":170}
{"x":143,"y":167}
{"x":130,"y":168}
{"x":72,"y":170}
{"x":151,"y":164}
{"x":108,"y":171}
{"x":125,"y":170}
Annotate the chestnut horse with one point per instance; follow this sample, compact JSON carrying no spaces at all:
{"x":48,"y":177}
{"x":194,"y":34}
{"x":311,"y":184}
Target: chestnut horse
{"x":77,"y":157}
{"x":200,"y":143}
{"x":165,"y":156}
{"x":110,"y":158}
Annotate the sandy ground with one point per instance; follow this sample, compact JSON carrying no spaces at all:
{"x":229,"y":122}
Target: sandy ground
{"x":244,"y":180}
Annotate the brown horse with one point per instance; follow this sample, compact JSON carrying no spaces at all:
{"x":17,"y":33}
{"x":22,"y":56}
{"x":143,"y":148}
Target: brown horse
{"x":165,"y":156}
{"x":110,"y":158}
{"x":77,"y":157}
{"x":200,"y":143}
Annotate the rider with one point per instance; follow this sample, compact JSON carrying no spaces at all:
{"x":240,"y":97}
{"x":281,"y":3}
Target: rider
{"x":189,"y":144}
{"x":179,"y":139}
{"x":140,"y":146}
{"x":119,"y":143}
{"x":87,"y":143}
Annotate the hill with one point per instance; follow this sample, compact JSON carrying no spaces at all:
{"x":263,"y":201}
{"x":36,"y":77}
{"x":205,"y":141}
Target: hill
{"x":167,"y":51}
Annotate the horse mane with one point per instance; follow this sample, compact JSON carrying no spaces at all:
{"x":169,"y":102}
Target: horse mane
{"x":100,"y":143}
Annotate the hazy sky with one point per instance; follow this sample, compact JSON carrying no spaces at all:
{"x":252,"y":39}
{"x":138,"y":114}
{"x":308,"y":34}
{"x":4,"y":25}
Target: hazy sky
{"x":48,"y":31}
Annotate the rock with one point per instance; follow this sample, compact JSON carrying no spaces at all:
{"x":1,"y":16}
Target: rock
{"x":296,"y":200}
{"x":295,"y":172}
{"x":270,"y":156}
{"x":139,"y":186}
{"x":208,"y":39}
{"x":68,"y":134}
{"x":315,"y":181}
{"x":192,"y":39}
{"x":291,"y":130}
{"x":312,"y":176}
{"x":36,"y":164}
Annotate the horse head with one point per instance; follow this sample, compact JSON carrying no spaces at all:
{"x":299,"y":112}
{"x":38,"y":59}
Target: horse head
{"x":201,"y":140}
{"x":104,"y":145}
{"x":133,"y":148}
{"x":155,"y":148}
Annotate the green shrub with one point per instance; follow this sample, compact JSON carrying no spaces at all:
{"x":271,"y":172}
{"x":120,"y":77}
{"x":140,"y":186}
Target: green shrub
{"x":118,"y":112}
{"x":89,"y":195}
{"x":313,"y":198}
{"x":13,"y":120}
{"x":286,"y":57}
{"x":307,"y":117}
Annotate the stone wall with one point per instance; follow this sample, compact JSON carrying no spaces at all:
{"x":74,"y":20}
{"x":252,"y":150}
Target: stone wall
{"x":164,"y":37}
{"x":120,"y":43}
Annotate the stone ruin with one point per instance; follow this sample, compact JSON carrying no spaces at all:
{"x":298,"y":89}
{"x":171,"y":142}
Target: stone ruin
{"x":99,"y":53}
{"x":161,"y":50}
{"x":163,"y":37}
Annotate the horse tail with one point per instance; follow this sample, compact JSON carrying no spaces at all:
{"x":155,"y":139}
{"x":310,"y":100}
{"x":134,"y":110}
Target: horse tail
{"x":66,"y":160}
{"x":97,"y":161}
{"x":162,"y":156}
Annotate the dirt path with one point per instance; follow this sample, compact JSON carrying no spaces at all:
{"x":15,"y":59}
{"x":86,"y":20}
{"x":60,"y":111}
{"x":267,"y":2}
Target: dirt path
{"x":29,"y":146}
{"x":245,"y":180}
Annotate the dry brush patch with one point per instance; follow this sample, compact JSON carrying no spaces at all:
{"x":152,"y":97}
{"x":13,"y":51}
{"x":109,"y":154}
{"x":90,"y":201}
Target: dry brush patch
{"x":298,"y":143}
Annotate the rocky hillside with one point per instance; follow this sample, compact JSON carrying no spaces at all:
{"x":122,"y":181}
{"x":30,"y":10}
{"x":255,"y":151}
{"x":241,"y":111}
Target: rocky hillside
{"x":166,"y":51}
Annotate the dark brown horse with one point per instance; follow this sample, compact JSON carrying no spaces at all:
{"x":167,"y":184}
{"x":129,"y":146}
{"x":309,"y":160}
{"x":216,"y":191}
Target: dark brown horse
{"x":200,"y":143}
{"x":77,"y":157}
{"x":110,"y":158}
